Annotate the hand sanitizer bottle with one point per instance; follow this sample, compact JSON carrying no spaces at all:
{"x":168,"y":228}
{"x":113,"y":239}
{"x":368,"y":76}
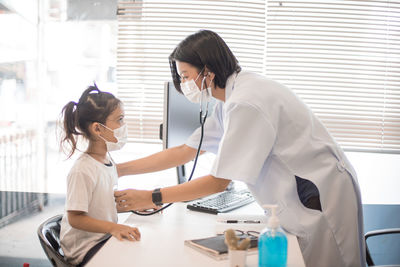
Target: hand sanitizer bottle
{"x":272,"y":243}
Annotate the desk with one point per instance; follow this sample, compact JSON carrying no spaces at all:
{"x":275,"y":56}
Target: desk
{"x":162,"y":241}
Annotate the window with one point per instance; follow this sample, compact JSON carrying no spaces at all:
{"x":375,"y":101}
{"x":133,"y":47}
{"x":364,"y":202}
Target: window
{"x":340,"y":57}
{"x":148,"y":31}
{"x":50,"y":51}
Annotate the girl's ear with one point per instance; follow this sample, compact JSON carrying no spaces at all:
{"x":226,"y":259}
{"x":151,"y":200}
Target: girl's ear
{"x":94,"y":128}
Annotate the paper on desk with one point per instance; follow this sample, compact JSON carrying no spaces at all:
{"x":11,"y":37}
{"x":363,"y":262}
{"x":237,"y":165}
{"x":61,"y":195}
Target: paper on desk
{"x":222,"y":225}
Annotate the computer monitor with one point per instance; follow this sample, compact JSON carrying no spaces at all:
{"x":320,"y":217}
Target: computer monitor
{"x":181,"y":118}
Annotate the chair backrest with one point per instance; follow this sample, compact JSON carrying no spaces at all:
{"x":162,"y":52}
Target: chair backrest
{"x":49,"y":237}
{"x":382,"y":227}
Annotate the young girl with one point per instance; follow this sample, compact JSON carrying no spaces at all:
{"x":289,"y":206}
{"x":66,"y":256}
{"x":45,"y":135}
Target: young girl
{"x":91,"y":215}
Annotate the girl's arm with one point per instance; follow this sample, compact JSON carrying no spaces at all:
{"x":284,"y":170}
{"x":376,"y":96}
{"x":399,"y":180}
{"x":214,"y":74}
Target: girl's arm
{"x":165,"y":159}
{"x":80,"y":220}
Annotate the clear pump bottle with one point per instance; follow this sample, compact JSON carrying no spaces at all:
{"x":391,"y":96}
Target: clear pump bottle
{"x":272,"y":243}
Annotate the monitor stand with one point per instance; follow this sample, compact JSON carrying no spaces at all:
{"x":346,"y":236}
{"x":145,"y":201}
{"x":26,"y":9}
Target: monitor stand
{"x":181,"y":174}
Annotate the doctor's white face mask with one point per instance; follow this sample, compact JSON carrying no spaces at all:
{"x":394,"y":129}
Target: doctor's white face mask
{"x":193,"y":92}
{"x":121,"y":134}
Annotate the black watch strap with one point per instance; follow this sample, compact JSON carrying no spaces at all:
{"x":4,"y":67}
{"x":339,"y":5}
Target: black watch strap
{"x":156,"y":197}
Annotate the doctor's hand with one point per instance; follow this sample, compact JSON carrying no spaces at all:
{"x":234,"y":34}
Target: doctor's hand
{"x":132,"y":199}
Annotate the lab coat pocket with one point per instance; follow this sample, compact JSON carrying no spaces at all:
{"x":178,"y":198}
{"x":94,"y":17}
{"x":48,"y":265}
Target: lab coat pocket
{"x":308,"y":193}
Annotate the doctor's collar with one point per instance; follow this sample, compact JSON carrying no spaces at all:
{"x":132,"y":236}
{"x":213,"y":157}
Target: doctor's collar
{"x":230,"y":85}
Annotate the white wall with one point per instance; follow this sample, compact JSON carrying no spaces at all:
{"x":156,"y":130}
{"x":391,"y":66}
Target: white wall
{"x":378,"y":175}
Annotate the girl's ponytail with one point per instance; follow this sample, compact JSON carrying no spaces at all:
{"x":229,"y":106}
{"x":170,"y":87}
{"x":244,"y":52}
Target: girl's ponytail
{"x":69,"y":114}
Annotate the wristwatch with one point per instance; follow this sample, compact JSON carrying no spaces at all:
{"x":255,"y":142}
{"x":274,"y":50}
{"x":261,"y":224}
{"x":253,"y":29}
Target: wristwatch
{"x":156,"y":197}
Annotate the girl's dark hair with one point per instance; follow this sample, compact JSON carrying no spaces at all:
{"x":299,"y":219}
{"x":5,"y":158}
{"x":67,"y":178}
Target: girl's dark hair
{"x":204,"y":49}
{"x":93,"y":106}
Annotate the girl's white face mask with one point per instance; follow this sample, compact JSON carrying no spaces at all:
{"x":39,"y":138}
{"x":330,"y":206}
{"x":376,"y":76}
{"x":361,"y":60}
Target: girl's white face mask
{"x":121,"y":134}
{"x":193,"y":92}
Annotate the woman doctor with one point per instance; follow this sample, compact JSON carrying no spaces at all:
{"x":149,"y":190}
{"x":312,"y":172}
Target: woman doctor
{"x":264,"y":135}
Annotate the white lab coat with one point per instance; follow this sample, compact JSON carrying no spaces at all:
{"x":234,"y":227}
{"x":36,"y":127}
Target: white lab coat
{"x":264,"y":135}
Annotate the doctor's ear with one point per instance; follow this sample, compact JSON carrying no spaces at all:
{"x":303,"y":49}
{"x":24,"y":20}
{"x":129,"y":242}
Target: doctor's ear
{"x":210,"y":75}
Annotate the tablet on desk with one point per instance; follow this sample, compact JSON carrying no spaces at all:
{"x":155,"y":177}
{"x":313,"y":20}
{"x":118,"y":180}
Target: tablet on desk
{"x":215,"y":246}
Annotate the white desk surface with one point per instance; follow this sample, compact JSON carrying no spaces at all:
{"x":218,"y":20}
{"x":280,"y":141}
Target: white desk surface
{"x":163,"y":236}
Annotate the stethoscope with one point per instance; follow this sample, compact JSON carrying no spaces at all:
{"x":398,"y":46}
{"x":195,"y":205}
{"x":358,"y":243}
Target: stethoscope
{"x":203,"y":117}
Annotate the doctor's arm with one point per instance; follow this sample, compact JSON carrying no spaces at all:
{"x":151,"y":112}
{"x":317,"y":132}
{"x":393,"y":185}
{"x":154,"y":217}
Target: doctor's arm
{"x":132,"y":199}
{"x":165,"y":159}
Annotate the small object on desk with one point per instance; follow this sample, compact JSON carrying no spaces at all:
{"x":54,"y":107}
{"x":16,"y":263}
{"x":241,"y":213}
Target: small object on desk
{"x":237,"y":252}
{"x":216,"y":248}
{"x":237,"y":221}
{"x":222,"y":202}
{"x":244,"y":244}
{"x":241,"y":218}
{"x":237,"y":258}
{"x":231,"y":240}
{"x":224,"y":222}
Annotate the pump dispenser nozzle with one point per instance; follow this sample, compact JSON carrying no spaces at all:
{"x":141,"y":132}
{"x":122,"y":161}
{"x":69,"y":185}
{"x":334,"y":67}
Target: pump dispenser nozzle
{"x":273,"y":221}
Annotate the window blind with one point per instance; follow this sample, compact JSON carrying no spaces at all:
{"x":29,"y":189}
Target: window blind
{"x":148,"y":31}
{"x":341,"y":57}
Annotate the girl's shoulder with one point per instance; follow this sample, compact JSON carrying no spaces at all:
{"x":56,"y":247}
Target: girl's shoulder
{"x":84,"y":164}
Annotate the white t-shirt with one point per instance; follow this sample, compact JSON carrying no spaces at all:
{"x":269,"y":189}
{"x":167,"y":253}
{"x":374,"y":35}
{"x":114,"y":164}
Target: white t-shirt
{"x":89,"y":189}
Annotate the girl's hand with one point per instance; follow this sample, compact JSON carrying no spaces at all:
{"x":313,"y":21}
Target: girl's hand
{"x":121,"y":231}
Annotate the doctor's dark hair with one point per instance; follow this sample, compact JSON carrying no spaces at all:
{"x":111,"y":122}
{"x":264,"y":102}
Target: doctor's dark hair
{"x":93,"y":106}
{"x":204,"y":48}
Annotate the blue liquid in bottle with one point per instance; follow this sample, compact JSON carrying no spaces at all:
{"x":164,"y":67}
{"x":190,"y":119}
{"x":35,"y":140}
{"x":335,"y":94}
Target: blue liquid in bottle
{"x":272,"y":249}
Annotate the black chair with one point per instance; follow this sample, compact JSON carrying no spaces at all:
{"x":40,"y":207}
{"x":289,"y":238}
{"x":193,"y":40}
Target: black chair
{"x":370,"y":262}
{"x":49,"y":237}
